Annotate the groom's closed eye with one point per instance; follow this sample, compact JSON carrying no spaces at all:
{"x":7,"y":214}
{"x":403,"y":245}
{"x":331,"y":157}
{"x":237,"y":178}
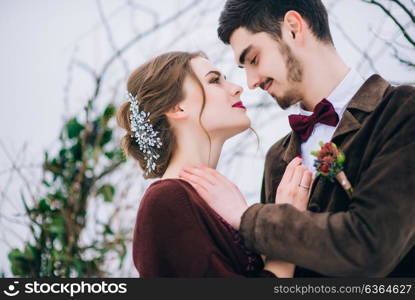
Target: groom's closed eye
{"x":243,"y":55}
{"x":254,"y":60}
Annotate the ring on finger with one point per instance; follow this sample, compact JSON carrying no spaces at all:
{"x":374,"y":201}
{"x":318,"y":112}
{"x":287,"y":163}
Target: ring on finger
{"x":304,"y":187}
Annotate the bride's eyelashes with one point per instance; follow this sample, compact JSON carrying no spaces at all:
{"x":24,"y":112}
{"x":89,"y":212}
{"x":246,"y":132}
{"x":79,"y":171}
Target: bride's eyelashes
{"x":214,"y":80}
{"x":217,"y":79}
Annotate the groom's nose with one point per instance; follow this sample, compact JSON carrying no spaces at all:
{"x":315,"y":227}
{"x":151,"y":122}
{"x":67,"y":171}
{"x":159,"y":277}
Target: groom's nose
{"x":253,"y":79}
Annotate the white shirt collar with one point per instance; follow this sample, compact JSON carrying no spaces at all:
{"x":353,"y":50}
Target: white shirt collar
{"x":343,"y":93}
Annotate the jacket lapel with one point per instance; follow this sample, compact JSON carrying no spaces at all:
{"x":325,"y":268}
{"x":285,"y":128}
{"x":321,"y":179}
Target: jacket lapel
{"x":293,"y":147}
{"x":366,"y":100}
{"x":347,"y":124}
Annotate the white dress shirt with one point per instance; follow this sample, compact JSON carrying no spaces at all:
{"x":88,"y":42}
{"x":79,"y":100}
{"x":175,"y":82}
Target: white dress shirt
{"x":340,"y":98}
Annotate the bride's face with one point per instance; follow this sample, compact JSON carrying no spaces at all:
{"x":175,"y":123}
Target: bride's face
{"x":223,"y":115}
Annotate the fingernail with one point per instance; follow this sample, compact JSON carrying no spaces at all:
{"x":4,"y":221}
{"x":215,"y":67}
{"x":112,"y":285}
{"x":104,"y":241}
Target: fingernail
{"x":299,"y":156}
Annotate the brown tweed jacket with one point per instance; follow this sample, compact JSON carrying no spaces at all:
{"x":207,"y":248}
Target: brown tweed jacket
{"x":371,"y":235}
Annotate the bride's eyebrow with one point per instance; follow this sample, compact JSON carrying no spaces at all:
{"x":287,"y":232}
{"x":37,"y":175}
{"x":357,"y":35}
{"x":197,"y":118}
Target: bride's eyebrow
{"x":214,"y":72}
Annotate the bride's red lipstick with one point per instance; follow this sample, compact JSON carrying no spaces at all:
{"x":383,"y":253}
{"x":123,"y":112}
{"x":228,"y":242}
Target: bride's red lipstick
{"x":239,"y":105}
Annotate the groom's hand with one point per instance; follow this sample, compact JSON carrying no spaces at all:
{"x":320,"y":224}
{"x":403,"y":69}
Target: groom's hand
{"x":222,"y":195}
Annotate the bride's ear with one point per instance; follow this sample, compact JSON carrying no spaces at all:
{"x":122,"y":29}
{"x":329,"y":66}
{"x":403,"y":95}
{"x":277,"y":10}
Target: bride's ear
{"x":177,"y":113}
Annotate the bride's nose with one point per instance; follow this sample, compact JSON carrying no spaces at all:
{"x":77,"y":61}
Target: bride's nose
{"x":236,"y":90}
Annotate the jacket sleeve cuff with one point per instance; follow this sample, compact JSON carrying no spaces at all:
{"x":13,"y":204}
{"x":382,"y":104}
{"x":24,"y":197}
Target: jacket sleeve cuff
{"x":247,"y":227}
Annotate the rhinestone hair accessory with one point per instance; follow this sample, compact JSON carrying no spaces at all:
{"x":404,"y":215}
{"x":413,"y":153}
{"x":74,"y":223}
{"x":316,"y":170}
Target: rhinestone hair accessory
{"x":144,"y":134}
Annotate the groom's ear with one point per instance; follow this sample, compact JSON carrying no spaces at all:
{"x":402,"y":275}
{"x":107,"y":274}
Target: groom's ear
{"x":177,"y":113}
{"x":295,"y":26}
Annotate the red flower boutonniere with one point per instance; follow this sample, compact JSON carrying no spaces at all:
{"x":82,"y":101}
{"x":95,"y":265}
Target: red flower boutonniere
{"x":329,"y":164}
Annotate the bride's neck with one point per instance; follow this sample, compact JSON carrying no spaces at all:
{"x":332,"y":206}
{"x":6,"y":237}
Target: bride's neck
{"x":191,"y":152}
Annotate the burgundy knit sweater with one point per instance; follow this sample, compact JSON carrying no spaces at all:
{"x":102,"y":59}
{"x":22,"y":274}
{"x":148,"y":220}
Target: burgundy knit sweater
{"x":178,"y":235}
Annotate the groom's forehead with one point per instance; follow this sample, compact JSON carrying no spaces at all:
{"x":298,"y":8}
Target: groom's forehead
{"x":241,"y":43}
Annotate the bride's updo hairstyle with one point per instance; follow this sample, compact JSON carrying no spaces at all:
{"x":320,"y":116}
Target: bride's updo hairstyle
{"x":158,"y":88}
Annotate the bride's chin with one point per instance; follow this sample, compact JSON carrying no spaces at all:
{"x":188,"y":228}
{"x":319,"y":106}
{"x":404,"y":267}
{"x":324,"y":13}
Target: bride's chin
{"x":231,"y":130}
{"x":240,"y":129}
{"x":247,"y":124}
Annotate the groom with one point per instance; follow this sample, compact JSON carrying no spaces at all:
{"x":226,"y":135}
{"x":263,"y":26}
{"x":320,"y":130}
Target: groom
{"x":286,"y":49}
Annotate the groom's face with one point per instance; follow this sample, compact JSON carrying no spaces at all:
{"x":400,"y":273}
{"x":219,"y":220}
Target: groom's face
{"x":269,"y":64}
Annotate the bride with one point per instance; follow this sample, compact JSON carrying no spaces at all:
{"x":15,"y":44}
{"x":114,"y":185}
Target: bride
{"x":179,"y":113}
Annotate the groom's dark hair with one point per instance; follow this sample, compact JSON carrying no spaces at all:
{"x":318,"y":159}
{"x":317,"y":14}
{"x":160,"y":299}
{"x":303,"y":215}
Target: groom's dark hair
{"x":267,"y":15}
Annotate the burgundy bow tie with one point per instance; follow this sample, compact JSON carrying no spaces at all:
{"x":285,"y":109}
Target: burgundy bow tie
{"x":323,"y":113}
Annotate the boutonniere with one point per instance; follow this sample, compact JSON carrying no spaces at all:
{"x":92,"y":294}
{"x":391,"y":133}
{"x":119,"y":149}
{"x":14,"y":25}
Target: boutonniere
{"x":329,"y":163}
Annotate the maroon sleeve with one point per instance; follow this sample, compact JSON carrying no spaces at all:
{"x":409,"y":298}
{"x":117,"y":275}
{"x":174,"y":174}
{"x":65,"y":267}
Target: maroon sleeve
{"x":170,"y":240}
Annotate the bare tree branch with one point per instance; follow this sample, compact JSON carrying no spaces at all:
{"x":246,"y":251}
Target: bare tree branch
{"x":396,"y":52}
{"x":408,"y":12}
{"x":139,"y":37}
{"x":401,"y":27}
{"x":110,"y":37}
{"x":136,"y":6}
{"x":18,"y":170}
{"x":86,"y":68}
{"x":364,"y":54}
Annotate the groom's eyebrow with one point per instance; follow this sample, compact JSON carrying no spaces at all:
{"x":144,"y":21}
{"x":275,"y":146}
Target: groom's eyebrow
{"x":243,"y":55}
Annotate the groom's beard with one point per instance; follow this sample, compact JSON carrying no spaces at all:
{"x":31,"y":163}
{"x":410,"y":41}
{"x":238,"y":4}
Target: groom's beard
{"x":294,"y":77}
{"x":290,"y":98}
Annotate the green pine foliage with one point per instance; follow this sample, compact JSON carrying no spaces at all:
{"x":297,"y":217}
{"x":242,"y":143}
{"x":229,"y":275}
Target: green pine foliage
{"x":57,"y":219}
